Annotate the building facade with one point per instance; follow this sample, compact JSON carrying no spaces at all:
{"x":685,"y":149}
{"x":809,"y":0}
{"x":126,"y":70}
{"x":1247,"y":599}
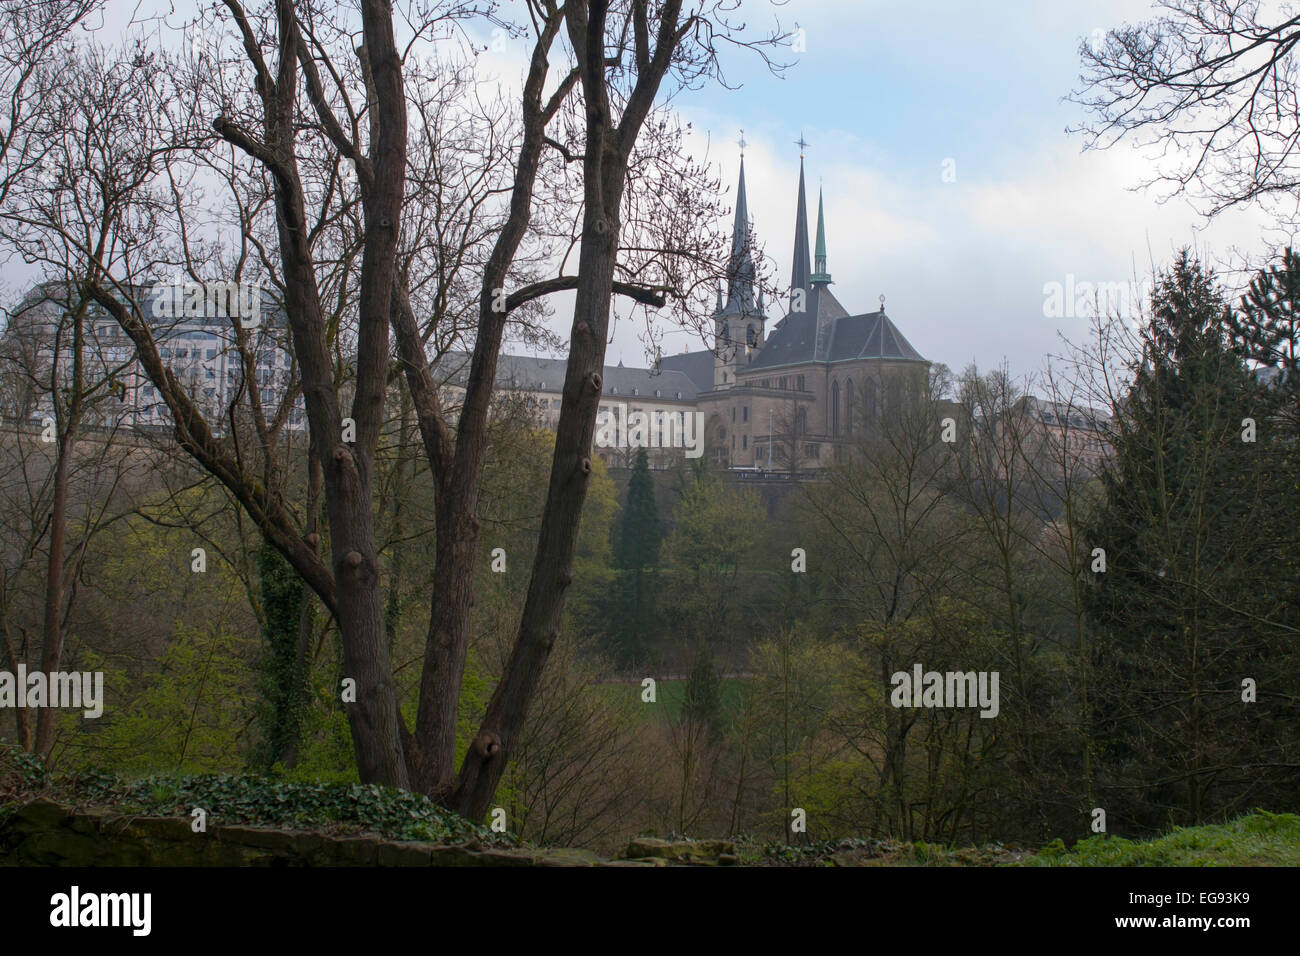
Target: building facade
{"x":195,"y":338}
{"x":793,"y":398}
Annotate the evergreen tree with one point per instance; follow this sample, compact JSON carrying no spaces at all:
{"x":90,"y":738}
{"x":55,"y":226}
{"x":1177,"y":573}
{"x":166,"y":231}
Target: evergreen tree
{"x":639,"y":535}
{"x":1267,"y":328}
{"x":1189,"y":604}
{"x":632,"y":618}
{"x":703,"y":703}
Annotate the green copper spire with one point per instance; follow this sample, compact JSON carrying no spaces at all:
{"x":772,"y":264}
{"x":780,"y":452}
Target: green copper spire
{"x":819,"y":257}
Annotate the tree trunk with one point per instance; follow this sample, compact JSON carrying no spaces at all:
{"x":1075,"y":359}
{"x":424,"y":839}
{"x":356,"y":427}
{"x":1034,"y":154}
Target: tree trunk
{"x":486,"y":759}
{"x":52,"y":647}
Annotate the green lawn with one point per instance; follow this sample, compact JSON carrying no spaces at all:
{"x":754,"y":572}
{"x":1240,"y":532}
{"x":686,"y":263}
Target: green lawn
{"x":670,"y":695}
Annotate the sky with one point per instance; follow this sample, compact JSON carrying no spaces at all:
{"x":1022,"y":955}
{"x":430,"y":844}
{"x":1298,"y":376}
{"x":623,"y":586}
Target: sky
{"x":937,"y":130}
{"x":890,"y":96}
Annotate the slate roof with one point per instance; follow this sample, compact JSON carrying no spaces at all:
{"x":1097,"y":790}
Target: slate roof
{"x":547,"y":375}
{"x":845,"y":337}
{"x":697,"y":366}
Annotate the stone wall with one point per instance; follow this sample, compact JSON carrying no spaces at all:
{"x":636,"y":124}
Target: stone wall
{"x":45,"y":833}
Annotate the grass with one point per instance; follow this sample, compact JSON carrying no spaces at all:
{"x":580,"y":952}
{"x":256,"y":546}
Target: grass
{"x":1256,"y":839}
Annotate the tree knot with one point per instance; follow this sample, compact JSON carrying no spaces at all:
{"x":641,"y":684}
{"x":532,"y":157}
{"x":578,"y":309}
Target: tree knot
{"x":488,"y":744}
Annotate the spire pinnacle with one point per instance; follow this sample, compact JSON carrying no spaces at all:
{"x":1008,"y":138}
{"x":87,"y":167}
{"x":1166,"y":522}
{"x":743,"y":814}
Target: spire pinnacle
{"x":819,"y":257}
{"x":799,"y":270}
{"x":740,"y":267}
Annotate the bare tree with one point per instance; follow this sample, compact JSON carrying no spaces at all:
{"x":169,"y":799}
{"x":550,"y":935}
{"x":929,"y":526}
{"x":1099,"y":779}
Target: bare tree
{"x":1212,"y":84}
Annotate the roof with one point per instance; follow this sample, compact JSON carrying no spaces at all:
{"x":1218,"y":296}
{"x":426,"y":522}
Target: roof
{"x":697,"y":366}
{"x":844,"y":337}
{"x":1063,"y":413}
{"x":547,"y":375}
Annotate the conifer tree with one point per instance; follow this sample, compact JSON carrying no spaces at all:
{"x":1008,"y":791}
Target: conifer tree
{"x":633,"y":615}
{"x":1189,"y":603}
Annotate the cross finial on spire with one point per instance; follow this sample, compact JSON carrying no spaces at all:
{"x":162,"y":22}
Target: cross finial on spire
{"x":742,"y":144}
{"x":801,"y":144}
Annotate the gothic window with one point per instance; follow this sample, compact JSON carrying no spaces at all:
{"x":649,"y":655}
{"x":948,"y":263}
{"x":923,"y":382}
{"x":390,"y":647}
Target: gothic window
{"x":800,"y":383}
{"x":801,"y":421}
{"x":848,"y":408}
{"x":835,"y":409}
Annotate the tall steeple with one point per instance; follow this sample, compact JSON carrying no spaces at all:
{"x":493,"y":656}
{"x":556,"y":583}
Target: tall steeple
{"x":740,"y":268}
{"x":799,"y":270}
{"x":819,"y":257}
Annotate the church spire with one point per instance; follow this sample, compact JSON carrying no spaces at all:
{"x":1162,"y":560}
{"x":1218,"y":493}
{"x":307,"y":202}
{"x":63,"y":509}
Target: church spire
{"x":819,"y":257}
{"x":799,"y":271}
{"x":740,"y":268}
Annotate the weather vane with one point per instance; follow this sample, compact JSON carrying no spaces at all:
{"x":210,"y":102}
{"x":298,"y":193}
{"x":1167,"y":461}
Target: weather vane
{"x":741,"y":142}
{"x":882,"y":303}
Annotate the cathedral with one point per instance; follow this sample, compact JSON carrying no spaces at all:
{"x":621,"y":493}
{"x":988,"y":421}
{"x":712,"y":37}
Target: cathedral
{"x":790,"y":399}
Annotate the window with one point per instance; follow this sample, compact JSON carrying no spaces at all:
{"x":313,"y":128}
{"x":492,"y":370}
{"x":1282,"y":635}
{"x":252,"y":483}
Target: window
{"x":745,"y":412}
{"x":658,"y":393}
{"x":744,"y":441}
{"x":636,"y":391}
{"x":835,"y":409}
{"x":679,"y":395}
{"x":781,"y":383}
{"x":545,"y":403}
{"x":848,"y":409}
{"x":210,"y":373}
{"x":210,"y":354}
{"x":800,"y":386}
{"x":733,"y":413}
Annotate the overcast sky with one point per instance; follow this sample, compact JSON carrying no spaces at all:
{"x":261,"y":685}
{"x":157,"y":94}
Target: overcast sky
{"x":890,"y":96}
{"x":885,"y":93}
